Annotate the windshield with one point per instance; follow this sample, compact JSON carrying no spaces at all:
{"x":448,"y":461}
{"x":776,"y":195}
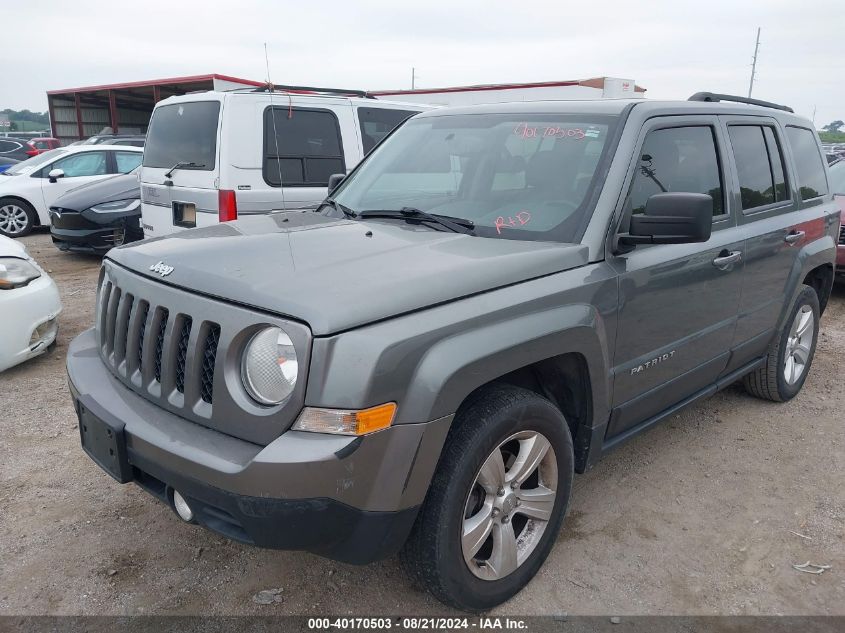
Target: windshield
{"x":837,"y":177}
{"x":183,"y":133}
{"x":514,"y":177}
{"x":28,"y":165}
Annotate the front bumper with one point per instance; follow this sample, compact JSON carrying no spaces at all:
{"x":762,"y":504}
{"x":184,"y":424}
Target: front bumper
{"x":352,"y":499}
{"x":23,"y":310}
{"x":96,"y":238}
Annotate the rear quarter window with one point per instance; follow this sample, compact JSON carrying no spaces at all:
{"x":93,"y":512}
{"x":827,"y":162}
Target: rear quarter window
{"x":183,"y":133}
{"x":808,"y":162}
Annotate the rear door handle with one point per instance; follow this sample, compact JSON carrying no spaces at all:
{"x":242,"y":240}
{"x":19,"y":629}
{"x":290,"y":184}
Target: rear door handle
{"x":725,"y":261}
{"x":793,"y":237}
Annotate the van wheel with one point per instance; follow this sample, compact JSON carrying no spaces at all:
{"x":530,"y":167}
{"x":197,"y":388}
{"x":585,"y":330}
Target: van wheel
{"x":791,"y":354}
{"x":16,"y":217}
{"x":496,"y":502}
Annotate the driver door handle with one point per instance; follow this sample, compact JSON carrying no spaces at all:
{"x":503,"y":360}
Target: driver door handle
{"x":793,"y":237}
{"x":726,"y":259}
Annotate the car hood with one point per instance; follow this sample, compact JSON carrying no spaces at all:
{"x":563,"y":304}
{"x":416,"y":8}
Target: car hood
{"x":119,"y":187}
{"x":340,"y":274}
{"x":11,"y":248}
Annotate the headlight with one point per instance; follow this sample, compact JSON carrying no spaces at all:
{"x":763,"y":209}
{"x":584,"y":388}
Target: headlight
{"x":117,"y":206}
{"x":269,"y":366}
{"x":15,"y":272}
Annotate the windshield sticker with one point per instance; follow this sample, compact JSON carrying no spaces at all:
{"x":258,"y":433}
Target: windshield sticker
{"x":592,"y":133}
{"x":520,"y":219}
{"x":523,"y":130}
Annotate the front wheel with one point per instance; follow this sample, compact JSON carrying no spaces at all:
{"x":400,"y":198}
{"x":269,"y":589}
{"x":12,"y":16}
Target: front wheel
{"x":496,"y":502}
{"x":790,"y":354}
{"x":16,"y":217}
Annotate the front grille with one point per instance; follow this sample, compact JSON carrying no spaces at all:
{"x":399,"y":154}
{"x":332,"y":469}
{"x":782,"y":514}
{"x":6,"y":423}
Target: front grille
{"x":182,"y":353}
{"x":209,"y":359}
{"x":842,"y":234}
{"x":135,"y":338}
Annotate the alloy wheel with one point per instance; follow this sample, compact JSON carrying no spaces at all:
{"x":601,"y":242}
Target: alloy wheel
{"x":509,"y":505}
{"x":798,"y":345}
{"x":13,"y":219}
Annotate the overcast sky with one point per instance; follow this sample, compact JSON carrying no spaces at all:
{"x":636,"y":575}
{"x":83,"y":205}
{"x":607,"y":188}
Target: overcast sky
{"x":671,"y":48}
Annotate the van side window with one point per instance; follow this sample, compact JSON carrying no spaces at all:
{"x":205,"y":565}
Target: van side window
{"x":679,"y":159}
{"x":759,"y":164}
{"x":376,"y":123}
{"x":301,"y":147}
{"x":808,"y":162}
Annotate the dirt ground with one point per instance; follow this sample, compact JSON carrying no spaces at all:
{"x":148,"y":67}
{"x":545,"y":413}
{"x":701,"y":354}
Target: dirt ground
{"x":701,"y":515}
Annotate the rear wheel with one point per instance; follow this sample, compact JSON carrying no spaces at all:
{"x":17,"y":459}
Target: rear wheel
{"x":790,"y":354}
{"x":16,"y":217}
{"x":496,"y":502}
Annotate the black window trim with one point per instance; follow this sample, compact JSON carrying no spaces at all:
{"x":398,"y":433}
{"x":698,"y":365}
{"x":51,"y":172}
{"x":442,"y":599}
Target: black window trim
{"x":772,"y":206}
{"x":264,"y":155}
{"x":814,"y":199}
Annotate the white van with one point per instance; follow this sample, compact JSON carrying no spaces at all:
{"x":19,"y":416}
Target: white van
{"x":212,"y":156}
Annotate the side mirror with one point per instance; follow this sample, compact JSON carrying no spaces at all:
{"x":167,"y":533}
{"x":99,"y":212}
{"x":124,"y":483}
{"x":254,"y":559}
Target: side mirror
{"x":335,"y":180}
{"x":672,"y":218}
{"x":55,"y":174}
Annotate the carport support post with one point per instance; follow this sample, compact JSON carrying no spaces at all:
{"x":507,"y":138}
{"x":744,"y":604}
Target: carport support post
{"x":52,"y":117}
{"x":79,"y":129}
{"x":113,"y":111}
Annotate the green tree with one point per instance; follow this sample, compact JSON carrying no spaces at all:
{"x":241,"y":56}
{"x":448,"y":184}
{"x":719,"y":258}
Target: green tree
{"x":834,"y":126}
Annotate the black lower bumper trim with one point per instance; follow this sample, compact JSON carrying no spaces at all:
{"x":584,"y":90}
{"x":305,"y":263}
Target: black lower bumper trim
{"x":321,"y":525}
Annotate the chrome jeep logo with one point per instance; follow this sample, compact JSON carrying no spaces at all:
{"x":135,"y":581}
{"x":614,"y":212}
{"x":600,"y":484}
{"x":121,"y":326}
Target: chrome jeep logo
{"x":652,"y":362}
{"x":162,"y":269}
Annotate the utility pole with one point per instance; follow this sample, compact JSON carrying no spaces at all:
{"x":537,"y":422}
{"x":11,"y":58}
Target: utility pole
{"x":413,"y":77}
{"x":754,"y":63}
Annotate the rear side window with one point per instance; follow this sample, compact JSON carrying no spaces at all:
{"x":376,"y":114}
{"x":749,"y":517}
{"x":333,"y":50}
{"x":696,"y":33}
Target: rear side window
{"x":759,"y":164}
{"x":808,"y":162}
{"x":301,"y":147}
{"x":127,"y":161}
{"x":8,"y":146}
{"x":183,"y":133}
{"x":680,"y":159}
{"x":376,"y":123}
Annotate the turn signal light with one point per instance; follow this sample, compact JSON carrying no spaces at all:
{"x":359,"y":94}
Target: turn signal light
{"x":346,"y":421}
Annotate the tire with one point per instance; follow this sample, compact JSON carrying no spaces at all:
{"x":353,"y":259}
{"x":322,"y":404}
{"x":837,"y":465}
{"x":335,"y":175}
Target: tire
{"x":16,"y":217}
{"x":461,"y":495}
{"x":783,"y":374}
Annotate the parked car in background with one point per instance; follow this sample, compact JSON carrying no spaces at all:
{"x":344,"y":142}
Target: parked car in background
{"x":28,"y":189}
{"x":44,"y":144}
{"x":836,"y":173}
{"x":136,"y":140}
{"x":214,"y":156}
{"x":29,"y":305}
{"x":6,"y":163}
{"x":17,"y":148}
{"x":95,"y":217}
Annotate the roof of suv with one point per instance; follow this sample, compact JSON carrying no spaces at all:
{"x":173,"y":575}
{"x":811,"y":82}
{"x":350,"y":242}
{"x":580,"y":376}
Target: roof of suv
{"x":614,"y":107}
{"x":286,"y":97}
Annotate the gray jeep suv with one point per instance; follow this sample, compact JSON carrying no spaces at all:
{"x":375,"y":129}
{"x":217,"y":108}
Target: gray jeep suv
{"x":492,"y":300}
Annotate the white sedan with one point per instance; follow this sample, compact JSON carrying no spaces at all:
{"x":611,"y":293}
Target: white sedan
{"x":28,"y":189}
{"x":29,"y":306}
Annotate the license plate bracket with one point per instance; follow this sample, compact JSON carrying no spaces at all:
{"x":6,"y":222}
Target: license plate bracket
{"x":105,"y":443}
{"x":184,"y":214}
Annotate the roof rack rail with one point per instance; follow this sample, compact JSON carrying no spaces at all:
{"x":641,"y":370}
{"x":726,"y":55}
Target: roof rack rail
{"x":308,"y":90}
{"x":715,"y":96}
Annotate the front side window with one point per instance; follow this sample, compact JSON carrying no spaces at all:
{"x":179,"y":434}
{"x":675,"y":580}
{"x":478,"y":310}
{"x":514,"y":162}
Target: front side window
{"x":759,"y":164}
{"x":679,"y":160}
{"x":301,"y":147}
{"x":127,"y":161}
{"x":523,"y":177}
{"x":808,"y":162}
{"x":82,"y":164}
{"x":376,"y":123}
{"x":183,"y":133}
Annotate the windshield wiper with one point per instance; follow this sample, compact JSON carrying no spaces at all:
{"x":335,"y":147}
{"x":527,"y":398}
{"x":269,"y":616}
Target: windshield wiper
{"x":458,"y":225}
{"x":169,"y":174}
{"x":331,"y":202}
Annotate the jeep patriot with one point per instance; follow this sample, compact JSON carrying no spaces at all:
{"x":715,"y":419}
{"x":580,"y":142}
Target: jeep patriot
{"x":492,"y":300}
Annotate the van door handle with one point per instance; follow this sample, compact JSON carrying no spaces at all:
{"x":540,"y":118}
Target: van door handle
{"x":794,"y":237}
{"x":726,"y":259}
